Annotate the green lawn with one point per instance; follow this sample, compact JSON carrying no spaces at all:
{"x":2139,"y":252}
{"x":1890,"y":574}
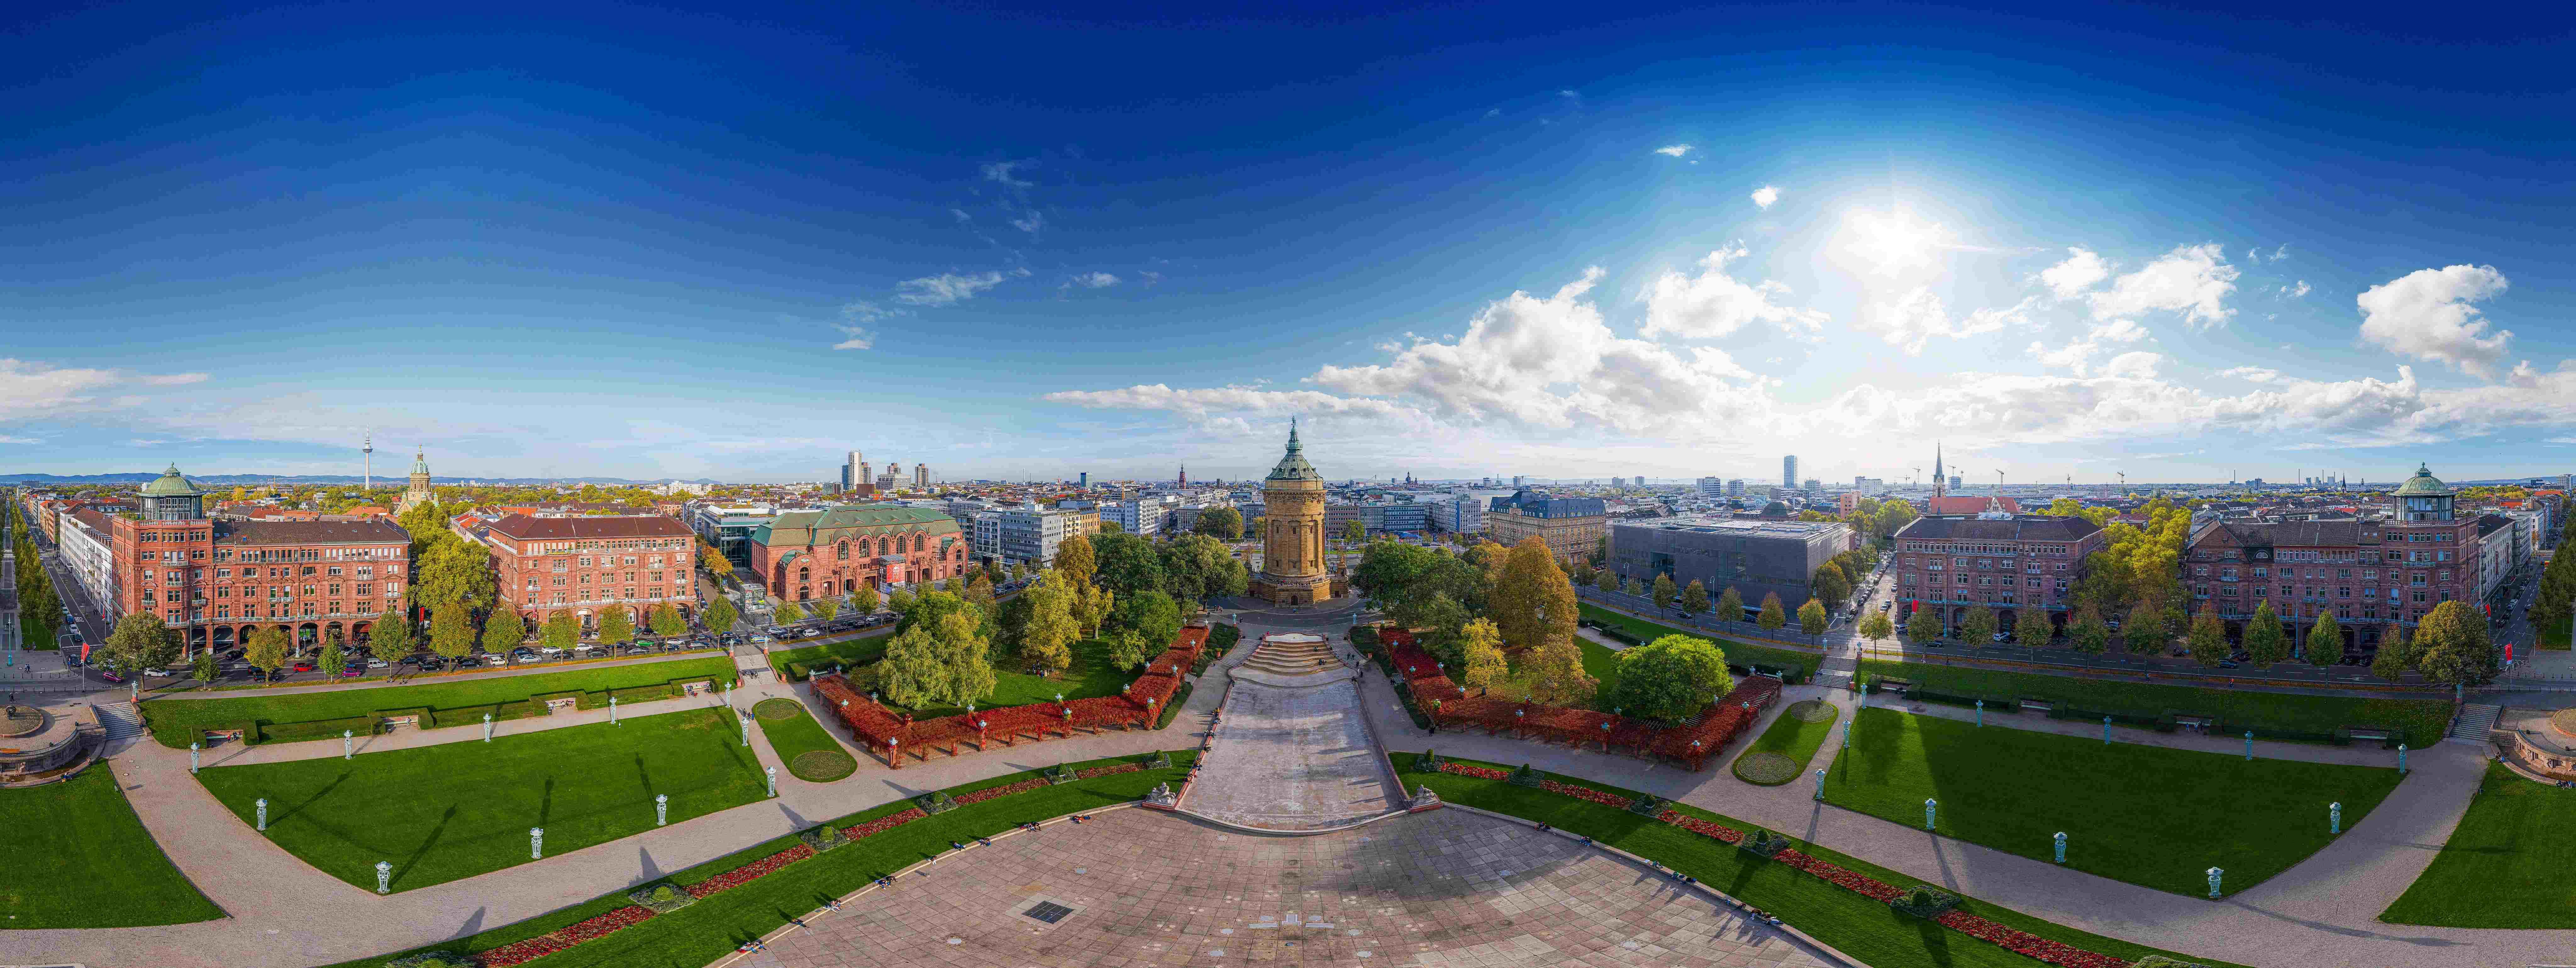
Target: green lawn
{"x":445,"y":812}
{"x":1868,"y":931}
{"x":2147,"y":815}
{"x":2510,"y":864}
{"x":867,"y":648}
{"x":1089,"y":677}
{"x":175,"y":721}
{"x":1599,"y":662}
{"x":2422,"y":721}
{"x":1788,"y":737}
{"x":2554,"y":637}
{"x":699,"y":934}
{"x":78,"y":857}
{"x":1738,"y":653}
{"x":808,"y":750}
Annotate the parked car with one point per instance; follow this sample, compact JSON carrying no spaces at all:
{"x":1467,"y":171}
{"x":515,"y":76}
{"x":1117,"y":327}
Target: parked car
{"x":377,"y":663}
{"x":2003,"y":637}
{"x":760,"y":640}
{"x":809,"y":633}
{"x":496,"y":660}
{"x":301,"y":665}
{"x":549,"y":650}
{"x":353,"y":670}
{"x":158,"y":673}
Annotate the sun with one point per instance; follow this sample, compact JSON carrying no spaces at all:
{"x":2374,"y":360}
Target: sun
{"x":1891,"y":243}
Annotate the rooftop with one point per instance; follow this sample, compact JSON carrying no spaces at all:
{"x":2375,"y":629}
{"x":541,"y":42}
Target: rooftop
{"x":372,"y":531}
{"x":525,"y":528}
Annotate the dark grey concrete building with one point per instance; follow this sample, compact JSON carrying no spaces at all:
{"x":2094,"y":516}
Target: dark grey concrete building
{"x":1756,"y":558}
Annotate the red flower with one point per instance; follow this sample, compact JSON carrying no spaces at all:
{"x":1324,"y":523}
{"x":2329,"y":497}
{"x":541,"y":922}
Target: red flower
{"x":750,"y":872}
{"x":883,"y":824}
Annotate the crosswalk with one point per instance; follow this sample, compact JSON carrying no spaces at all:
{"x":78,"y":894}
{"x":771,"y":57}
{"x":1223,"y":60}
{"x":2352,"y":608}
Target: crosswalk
{"x":2476,"y":719}
{"x":120,"y":720}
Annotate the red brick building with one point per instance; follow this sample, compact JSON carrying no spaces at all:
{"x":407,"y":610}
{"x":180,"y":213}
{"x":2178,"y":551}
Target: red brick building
{"x":2366,"y":572}
{"x":2019,"y":565}
{"x":805,"y":555}
{"x":219,"y":581}
{"x":587,"y":565}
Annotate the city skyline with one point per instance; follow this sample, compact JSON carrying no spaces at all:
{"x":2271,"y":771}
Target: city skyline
{"x":1684,"y":244}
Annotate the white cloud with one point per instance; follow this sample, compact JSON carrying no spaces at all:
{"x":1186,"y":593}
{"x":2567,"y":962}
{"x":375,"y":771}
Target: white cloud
{"x":1005,"y":173}
{"x":20,"y":440}
{"x":863,"y":311}
{"x":2081,"y":271}
{"x":859,"y":339}
{"x":1765,"y":195}
{"x":2256,"y":374}
{"x":947,"y":288}
{"x":1030,"y":221}
{"x":1917,"y":317}
{"x":2296,"y":291}
{"x":1674,"y":150}
{"x":29,"y":389}
{"x":1150,"y":277}
{"x":1493,"y":112}
{"x":962,"y":217}
{"x":2135,"y":365}
{"x":1095,"y":280}
{"x":2426,"y":315}
{"x":2078,"y":354}
{"x":2192,"y":280}
{"x":1714,"y":304}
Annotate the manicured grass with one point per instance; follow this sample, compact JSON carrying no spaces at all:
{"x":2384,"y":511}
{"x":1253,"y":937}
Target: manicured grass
{"x":1738,"y":653}
{"x":1091,"y":676}
{"x":2554,"y":637}
{"x":1867,"y":930}
{"x":78,"y":857}
{"x":866,"y":648}
{"x":2148,"y":815}
{"x":2510,"y":863}
{"x":440,"y":813}
{"x":699,"y":934}
{"x":1791,"y":738}
{"x":809,"y":751}
{"x":1599,"y":662}
{"x":175,"y":721}
{"x":2422,"y":721}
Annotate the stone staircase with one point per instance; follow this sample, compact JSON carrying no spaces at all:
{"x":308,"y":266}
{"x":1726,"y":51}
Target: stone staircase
{"x":120,"y":721}
{"x":1293,"y":658}
{"x":2476,"y":720}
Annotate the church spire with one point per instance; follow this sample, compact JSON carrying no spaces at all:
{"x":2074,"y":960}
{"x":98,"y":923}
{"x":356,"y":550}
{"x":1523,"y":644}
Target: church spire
{"x":1940,"y":481}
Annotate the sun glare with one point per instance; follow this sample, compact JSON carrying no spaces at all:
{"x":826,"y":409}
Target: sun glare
{"x":1890,"y":243}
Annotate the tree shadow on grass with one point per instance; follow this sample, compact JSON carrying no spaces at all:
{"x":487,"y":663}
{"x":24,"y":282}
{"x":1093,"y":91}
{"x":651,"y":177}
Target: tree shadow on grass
{"x":546,"y":803}
{"x":311,"y":800}
{"x":413,"y":862}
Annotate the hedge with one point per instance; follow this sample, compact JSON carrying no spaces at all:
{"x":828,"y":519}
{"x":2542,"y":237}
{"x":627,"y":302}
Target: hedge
{"x":318,"y":729}
{"x":2416,"y":721}
{"x":1173,"y":708}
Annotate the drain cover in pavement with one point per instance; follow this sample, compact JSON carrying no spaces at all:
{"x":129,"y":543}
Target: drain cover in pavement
{"x":1048,"y":911}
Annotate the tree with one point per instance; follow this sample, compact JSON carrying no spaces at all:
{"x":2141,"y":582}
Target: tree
{"x":1096,"y":605}
{"x":1606,"y":580}
{"x":900,"y":600}
{"x":1876,"y":625}
{"x":912,"y":673}
{"x":1671,"y":677}
{"x":1730,"y":605}
{"x":720,"y":616}
{"x":1127,"y":563}
{"x":787,"y":613}
{"x":561,"y":630}
{"x":1481,"y":648}
{"x":1979,"y":627}
{"x":979,"y":590}
{"x":1354,"y":532}
{"x":203,"y":670}
{"x":2033,"y":630}
{"x":864,"y":600}
{"x":1054,"y":623}
{"x":1695,"y":597}
{"x":2451,"y":646}
{"x":1554,"y":673}
{"x":266,"y":651}
{"x":825,"y":608}
{"x":1634,"y":587}
{"x":140,"y":642}
{"x":2143,"y":633}
{"x":1773,"y":614}
{"x":1198,"y":568}
{"x":616,"y":627}
{"x":1664,"y":590}
{"x":331,"y":660}
{"x":1074,"y":560}
{"x":713,"y":561}
{"x":2265,"y":643}
{"x":1126,"y":649}
{"x":455,"y":571}
{"x":1811,"y":617}
{"x":390,"y":638}
{"x":2089,"y":635}
{"x":1222,"y":524}
{"x":1152,"y":615}
{"x":1831,"y":584}
{"x":966,"y":654}
{"x":2207,"y":638}
{"x":1111,"y":527}
{"x":2395,"y":656}
{"x":1531,"y":601}
{"x":451,"y":633}
{"x":1441,"y":620}
{"x":503,"y":630}
{"x":2325,"y":642}
{"x":667,"y":621}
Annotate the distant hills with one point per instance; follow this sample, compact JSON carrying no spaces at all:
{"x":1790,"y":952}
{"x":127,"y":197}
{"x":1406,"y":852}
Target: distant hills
{"x":381,"y":480}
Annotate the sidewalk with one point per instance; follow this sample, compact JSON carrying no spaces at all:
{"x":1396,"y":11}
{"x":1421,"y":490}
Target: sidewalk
{"x":484,"y":675}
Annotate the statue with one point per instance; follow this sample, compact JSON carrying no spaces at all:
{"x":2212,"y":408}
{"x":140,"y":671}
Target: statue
{"x":1161,"y":795}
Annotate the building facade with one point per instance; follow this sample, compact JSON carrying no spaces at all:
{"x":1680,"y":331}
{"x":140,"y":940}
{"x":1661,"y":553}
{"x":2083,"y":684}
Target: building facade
{"x":1458,"y":514}
{"x":2366,"y":572}
{"x":215,"y":582}
{"x":86,"y":546}
{"x":1756,"y":558}
{"x":1292,"y":539}
{"x":1789,"y":471}
{"x":1570,"y":526}
{"x":728,"y":527}
{"x":586,"y":566}
{"x":2022,"y":566}
{"x":1027,"y":536}
{"x":806,"y":555}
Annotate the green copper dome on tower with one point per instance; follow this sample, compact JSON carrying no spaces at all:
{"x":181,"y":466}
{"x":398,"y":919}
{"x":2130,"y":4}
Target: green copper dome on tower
{"x":172,"y":484}
{"x":2423,"y":484}
{"x":1293,"y":466}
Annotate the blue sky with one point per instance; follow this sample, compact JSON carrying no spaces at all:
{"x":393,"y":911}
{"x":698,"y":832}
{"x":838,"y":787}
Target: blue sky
{"x":1458,"y":240}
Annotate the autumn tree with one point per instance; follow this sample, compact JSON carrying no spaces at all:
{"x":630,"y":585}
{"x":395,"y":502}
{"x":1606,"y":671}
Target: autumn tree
{"x":1979,"y":627}
{"x":2207,"y":638}
{"x":667,"y":621}
{"x":2033,"y":630}
{"x":2325,"y":642}
{"x":390,"y":638}
{"x":1773,"y":615}
{"x":1831,"y":585}
{"x":2088,"y":633}
{"x":1664,"y":590}
{"x":1053,"y":626}
{"x":2451,"y":646}
{"x":1554,"y":673}
{"x":1695,"y":597}
{"x":1876,"y":625}
{"x":1730,"y":605}
{"x":2143,"y":633}
{"x":720,"y":616}
{"x":266,"y":650}
{"x":1811,"y":617}
{"x":913,"y":673}
{"x":451,"y":634}
{"x":1531,"y":601}
{"x":1482,"y":650}
{"x":826,"y":608}
{"x":2265,"y":642}
{"x":502,"y":631}
{"x":2395,"y":655}
{"x":561,"y":630}
{"x":1074,"y":560}
{"x":616,"y":627}
{"x":787,"y":613}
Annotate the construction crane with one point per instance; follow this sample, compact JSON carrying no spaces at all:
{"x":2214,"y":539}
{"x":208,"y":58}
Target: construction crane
{"x":1918,"y":476}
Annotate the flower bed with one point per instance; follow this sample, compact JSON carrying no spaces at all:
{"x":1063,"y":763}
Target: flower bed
{"x":563,"y":938}
{"x":883,"y":824}
{"x":1107,"y":770}
{"x":750,"y":872}
{"x":2017,"y":941}
{"x":988,"y":793}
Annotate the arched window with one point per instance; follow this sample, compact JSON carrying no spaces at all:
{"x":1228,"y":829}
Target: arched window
{"x":845,"y":551}
{"x":803,"y":574}
{"x":881,"y":544}
{"x":920,"y":543}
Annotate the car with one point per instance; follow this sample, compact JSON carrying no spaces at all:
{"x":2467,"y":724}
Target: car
{"x":638,"y":650}
{"x":158,"y":673}
{"x":523,"y":652}
{"x":353,"y":671}
{"x":496,"y":660}
{"x":549,"y":650}
{"x":760,"y":640}
{"x":809,"y":633}
{"x":302,"y":665}
{"x":110,"y":675}
{"x":377,"y":663}
{"x":2002,"y":637}
{"x":1886,"y":606}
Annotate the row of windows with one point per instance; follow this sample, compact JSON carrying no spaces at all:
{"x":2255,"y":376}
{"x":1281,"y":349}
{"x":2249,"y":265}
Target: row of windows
{"x":2317,"y":593}
{"x":1987,"y":563}
{"x":604,"y":578}
{"x":1990,"y":580}
{"x":307,"y":571}
{"x":279,"y":611}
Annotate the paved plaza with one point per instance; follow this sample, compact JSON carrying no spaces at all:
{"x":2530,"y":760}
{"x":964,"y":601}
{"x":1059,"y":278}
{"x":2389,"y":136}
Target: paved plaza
{"x":1294,"y":758}
{"x":1449,"y":887}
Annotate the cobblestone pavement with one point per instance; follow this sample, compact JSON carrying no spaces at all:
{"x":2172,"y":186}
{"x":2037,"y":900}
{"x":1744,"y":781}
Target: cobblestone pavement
{"x":1293,"y":758}
{"x":1447,"y":887}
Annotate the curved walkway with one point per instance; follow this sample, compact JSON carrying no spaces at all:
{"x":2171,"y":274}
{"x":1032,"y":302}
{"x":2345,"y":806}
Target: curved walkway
{"x":2320,"y":912}
{"x":1293,"y":754}
{"x":285,"y":914}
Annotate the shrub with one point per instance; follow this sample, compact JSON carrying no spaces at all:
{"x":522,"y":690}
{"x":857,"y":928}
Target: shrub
{"x":316,"y":729}
{"x":1173,"y":708}
{"x":1925,"y":901}
{"x":662,"y":898}
{"x":644,"y":693}
{"x":436,"y":959}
